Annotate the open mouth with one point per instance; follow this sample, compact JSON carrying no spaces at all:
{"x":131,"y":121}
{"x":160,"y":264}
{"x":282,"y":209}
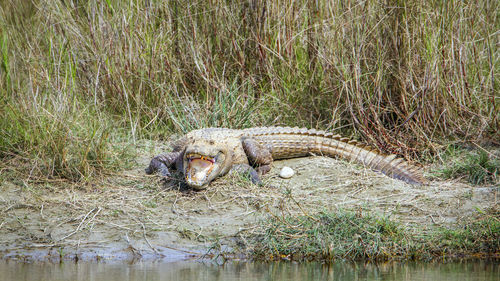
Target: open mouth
{"x":198,"y":168}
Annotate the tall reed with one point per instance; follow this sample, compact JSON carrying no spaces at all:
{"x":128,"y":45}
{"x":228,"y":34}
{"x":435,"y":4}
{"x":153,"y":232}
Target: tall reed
{"x":80,"y":76}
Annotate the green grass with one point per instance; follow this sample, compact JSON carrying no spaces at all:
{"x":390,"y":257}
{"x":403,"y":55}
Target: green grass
{"x":360,"y":235}
{"x":76,"y":144}
{"x":478,"y":167}
{"x":76,"y":76}
{"x":479,"y":236}
{"x":328,"y":236}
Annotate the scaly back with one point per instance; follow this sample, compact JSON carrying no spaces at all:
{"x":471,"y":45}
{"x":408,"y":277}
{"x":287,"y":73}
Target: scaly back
{"x":286,"y":142}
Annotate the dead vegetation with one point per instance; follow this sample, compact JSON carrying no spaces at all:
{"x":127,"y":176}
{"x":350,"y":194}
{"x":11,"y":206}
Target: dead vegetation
{"x":83,"y":82}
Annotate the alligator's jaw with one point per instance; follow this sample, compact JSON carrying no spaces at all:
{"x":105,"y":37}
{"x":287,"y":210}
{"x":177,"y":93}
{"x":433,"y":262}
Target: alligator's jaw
{"x":198,"y":170}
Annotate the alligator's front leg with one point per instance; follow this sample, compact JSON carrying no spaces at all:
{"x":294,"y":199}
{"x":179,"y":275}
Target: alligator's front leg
{"x":258,"y":155}
{"x":163,"y":162}
{"x":246,"y":170}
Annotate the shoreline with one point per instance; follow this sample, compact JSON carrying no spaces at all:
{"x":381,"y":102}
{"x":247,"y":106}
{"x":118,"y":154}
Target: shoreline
{"x":130,"y":215}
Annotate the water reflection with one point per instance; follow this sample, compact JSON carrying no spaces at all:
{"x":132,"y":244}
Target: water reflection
{"x":465,"y":270}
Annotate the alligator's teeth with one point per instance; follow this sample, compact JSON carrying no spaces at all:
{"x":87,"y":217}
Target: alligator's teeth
{"x":207,"y":158}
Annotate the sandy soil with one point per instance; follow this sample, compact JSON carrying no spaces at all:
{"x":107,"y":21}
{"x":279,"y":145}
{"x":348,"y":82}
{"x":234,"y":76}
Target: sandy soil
{"x":133,"y":216}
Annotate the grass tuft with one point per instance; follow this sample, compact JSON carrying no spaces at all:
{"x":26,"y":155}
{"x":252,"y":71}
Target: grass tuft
{"x":354,"y":235}
{"x":69,"y":145}
{"x":328,"y":236}
{"x":478,"y":236}
{"x":478,"y":167}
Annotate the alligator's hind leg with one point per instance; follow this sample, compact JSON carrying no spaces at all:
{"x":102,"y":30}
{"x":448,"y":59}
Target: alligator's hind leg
{"x":258,"y":155}
{"x":163,"y":162}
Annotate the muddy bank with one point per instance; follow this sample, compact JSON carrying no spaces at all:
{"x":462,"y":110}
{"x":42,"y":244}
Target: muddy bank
{"x":130,"y":215}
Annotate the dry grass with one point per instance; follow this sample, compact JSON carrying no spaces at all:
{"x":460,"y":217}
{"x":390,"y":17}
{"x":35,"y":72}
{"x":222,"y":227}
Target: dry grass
{"x":128,"y":213}
{"x":78,"y":77}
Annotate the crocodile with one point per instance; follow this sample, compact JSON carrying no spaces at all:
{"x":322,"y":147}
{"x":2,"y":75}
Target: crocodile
{"x":205,"y":154}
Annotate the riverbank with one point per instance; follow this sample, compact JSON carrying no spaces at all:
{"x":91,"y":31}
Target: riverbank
{"x":330,"y":209}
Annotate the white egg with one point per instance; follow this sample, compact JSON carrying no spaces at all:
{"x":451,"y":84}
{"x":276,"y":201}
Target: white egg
{"x":286,"y":172}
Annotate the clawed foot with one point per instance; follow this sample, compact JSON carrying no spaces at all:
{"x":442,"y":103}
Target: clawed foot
{"x":247,"y":171}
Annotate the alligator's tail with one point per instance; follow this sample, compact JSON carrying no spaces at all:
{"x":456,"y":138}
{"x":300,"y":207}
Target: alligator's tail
{"x":286,"y":142}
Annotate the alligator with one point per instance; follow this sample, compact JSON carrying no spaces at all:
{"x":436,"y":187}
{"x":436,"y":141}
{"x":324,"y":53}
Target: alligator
{"x":205,"y":154}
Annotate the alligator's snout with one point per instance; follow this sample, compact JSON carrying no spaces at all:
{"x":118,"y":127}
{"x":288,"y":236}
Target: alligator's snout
{"x":198,"y":170}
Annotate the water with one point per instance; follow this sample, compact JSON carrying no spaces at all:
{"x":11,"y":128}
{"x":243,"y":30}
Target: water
{"x":465,"y":270}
